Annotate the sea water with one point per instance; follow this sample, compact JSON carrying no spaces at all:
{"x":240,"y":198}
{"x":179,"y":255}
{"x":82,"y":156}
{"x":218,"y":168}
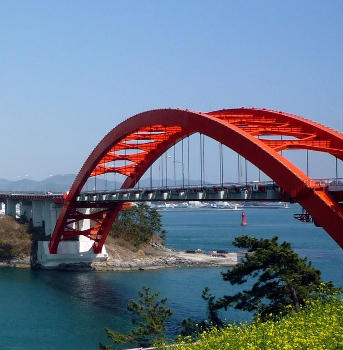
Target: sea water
{"x":69,"y":310}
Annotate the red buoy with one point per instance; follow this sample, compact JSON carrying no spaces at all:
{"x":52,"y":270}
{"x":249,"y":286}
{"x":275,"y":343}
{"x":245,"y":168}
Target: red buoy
{"x":244,"y":219}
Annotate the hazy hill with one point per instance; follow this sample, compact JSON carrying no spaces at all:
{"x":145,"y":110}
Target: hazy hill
{"x":57,"y":183}
{"x":62,"y":183}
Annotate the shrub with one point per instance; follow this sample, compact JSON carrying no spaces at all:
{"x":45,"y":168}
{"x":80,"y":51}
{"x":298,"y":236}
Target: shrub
{"x":282,"y":278}
{"x":15,"y":239}
{"x":149,"y":317}
{"x":317,"y":326}
{"x":138,"y":224}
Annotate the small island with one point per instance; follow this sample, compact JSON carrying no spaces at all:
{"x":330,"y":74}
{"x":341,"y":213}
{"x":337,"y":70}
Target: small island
{"x":136,"y":242}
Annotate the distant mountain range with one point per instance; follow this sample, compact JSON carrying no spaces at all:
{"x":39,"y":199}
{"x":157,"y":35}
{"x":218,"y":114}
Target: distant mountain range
{"x":62,"y":183}
{"x":56,"y":183}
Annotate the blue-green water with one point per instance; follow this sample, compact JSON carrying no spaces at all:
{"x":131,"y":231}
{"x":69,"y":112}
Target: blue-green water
{"x":68,"y":310}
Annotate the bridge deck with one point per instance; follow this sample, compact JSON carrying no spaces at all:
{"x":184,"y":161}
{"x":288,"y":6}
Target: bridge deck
{"x":252,"y":191}
{"x":237,"y":192}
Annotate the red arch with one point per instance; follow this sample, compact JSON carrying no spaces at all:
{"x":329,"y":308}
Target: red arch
{"x":152,"y":133}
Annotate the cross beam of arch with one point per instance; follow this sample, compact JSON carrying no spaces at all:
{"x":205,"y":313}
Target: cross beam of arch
{"x":140,"y":140}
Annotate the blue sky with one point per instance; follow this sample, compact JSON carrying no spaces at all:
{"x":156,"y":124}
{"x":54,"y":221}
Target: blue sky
{"x":71,"y":70}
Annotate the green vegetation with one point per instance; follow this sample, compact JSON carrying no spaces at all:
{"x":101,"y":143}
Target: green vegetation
{"x":15,"y":239}
{"x":138,"y":225}
{"x":149,"y":316}
{"x":293,"y":308}
{"x":281,"y":278}
{"x":317,"y":326}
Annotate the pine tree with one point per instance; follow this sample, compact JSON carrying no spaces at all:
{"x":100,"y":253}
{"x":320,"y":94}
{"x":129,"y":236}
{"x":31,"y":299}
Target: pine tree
{"x":149,"y":317}
{"x":138,"y":224}
{"x":283,"y":280}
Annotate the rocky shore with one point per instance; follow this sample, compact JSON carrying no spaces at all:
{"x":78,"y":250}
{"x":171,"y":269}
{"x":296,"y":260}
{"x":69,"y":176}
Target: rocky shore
{"x":22,"y":262}
{"x":148,"y":258}
{"x":17,"y":243}
{"x":154,"y":255}
{"x":167,"y":258}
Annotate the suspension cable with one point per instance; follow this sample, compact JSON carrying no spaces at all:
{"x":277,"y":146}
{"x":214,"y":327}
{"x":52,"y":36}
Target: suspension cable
{"x":114,"y":171}
{"x":281,"y":144}
{"x":174,"y":165}
{"x":200,"y":144}
{"x":150,"y":165}
{"x":336,"y":172}
{"x":203,"y":158}
{"x":188,"y":161}
{"x":137,"y":158}
{"x":151,"y":177}
{"x":259,"y":170}
{"x":238,"y":169}
{"x":183,"y":173}
{"x":307,"y":162}
{"x":246,"y":171}
{"x":221,"y":164}
{"x":125,"y":158}
{"x":166,"y":154}
{"x":161,"y":168}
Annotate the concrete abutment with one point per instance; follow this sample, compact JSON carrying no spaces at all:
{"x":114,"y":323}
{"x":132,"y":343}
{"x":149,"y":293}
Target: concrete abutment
{"x":43,"y":215}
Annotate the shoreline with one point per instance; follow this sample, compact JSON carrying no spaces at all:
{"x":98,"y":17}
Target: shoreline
{"x":17,"y":263}
{"x":162,"y":259}
{"x":170,"y":259}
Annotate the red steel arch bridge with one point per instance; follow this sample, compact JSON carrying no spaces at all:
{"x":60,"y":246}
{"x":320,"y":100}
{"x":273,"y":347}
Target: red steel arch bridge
{"x":152,"y":133}
{"x":140,"y":140}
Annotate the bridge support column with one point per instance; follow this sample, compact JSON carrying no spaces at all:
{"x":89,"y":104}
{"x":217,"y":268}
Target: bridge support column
{"x":10,"y":207}
{"x":77,"y":253}
{"x":83,"y":224}
{"x":69,"y":252}
{"x":26,"y":209}
{"x":37,"y":213}
{"x":50,"y":211}
{"x":86,"y":244}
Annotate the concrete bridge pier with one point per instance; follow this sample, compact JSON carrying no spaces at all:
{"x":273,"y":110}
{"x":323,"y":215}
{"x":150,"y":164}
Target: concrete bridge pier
{"x":70,"y":252}
{"x":37,"y":213}
{"x":26,"y":209}
{"x":10,"y":207}
{"x":86,"y":244}
{"x":50,"y":213}
{"x":86,"y":223}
